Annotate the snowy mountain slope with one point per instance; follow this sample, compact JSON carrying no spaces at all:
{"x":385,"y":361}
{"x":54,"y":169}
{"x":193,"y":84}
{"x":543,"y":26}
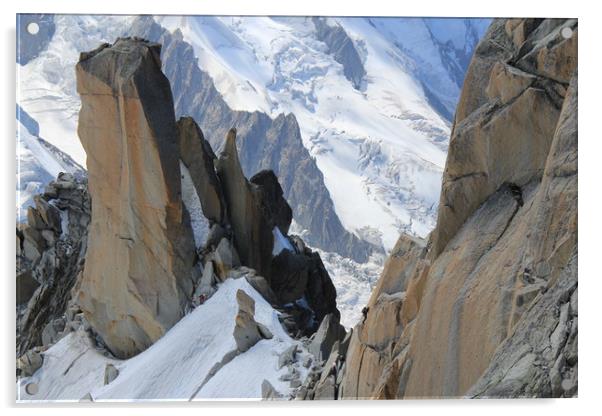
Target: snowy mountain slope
{"x":183,"y":365}
{"x":38,"y":163}
{"x":46,"y":84}
{"x":382,"y":147}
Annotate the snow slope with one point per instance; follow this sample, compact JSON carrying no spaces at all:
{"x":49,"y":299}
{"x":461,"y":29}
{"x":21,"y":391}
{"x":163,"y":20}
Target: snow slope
{"x":178,"y":366}
{"x":46,"y":87}
{"x":382,"y":147}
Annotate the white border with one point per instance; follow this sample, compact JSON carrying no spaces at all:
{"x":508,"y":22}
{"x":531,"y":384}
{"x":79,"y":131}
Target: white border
{"x":590,"y":202}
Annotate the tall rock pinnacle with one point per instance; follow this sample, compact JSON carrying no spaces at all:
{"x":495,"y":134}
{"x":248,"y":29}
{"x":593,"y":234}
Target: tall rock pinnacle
{"x":137,"y":274}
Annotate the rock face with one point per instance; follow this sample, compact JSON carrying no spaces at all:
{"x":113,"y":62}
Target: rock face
{"x":255,"y":209}
{"x":488,"y":306}
{"x":137,"y":277}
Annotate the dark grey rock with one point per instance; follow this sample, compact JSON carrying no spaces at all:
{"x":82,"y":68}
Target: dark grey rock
{"x":268,"y":392}
{"x":197,"y":155}
{"x":58,"y":266}
{"x":26,"y":286}
{"x":53,"y":331}
{"x":275,"y":208}
{"x":329,"y":332}
{"x":341,"y":47}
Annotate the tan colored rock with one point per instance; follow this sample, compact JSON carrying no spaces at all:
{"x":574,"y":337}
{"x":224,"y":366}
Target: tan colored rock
{"x":478,"y":309}
{"x":507,"y":82}
{"x":247,"y":332}
{"x":137,"y":275}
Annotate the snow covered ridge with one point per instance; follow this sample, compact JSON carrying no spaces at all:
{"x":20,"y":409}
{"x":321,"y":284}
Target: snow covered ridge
{"x":179,"y":365}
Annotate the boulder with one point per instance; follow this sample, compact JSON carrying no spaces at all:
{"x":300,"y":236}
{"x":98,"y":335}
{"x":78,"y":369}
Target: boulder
{"x":198,"y":157}
{"x":208,"y":279}
{"x":33,"y":242}
{"x":30,"y":362}
{"x":247,"y":332}
{"x":111,"y":373}
{"x":262,"y":287}
{"x":53,"y":331}
{"x":288,"y":356}
{"x":137,"y":276}
{"x":329,"y":332}
{"x":216,"y":233}
{"x":326,"y":390}
{"x":268,"y":392}
{"x":225,"y":258}
{"x":49,"y":213}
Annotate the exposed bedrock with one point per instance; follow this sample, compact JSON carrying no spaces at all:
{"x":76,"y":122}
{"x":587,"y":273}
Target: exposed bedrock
{"x":487,"y":307}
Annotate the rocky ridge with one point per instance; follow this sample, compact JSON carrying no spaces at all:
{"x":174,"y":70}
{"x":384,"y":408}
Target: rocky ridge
{"x":51,"y":249}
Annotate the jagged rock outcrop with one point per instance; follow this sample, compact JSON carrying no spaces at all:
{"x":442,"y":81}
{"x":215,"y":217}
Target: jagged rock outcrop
{"x":142,"y":272}
{"x":255,"y":209}
{"x":252,"y":234}
{"x":264,"y":143}
{"x":488,"y":306}
{"x":137,"y":277}
{"x":51,"y":250}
